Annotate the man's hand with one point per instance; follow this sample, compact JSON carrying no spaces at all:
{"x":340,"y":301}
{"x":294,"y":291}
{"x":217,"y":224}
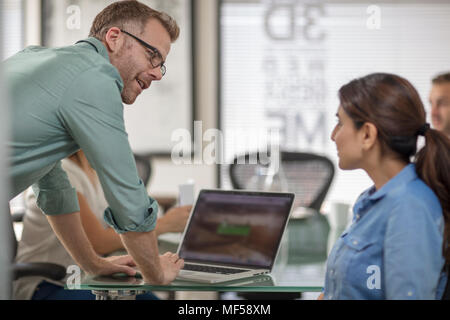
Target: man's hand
{"x":117,"y":264}
{"x":155,"y":268}
{"x":171,"y":265}
{"x":174,"y":220}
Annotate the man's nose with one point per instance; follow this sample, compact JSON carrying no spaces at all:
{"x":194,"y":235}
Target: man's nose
{"x":155,"y":73}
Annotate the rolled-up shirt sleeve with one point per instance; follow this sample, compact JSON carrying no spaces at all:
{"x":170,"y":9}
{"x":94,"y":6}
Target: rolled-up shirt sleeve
{"x":55,"y":195}
{"x":93,"y":116}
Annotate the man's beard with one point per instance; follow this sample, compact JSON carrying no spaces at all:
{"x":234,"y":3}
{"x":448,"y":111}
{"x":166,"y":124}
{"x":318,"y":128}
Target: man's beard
{"x":128,"y":97}
{"x":128,"y":93}
{"x":126,"y":65}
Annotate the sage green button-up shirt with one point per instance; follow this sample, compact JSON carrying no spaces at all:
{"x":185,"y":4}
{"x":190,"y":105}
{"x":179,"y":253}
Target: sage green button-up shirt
{"x":64,"y":99}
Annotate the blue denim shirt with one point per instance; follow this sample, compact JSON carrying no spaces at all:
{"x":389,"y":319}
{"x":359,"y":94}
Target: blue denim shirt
{"x":393,"y":248}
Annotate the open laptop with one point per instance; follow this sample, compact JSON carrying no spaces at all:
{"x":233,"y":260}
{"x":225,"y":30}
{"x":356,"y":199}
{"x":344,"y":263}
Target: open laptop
{"x":233,"y":234}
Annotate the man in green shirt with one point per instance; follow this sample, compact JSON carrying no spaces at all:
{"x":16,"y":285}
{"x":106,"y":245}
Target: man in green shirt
{"x":68,"y":98}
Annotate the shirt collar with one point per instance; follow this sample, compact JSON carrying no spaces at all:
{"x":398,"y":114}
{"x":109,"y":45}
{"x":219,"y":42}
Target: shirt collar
{"x":371,"y":195}
{"x":96,"y":45}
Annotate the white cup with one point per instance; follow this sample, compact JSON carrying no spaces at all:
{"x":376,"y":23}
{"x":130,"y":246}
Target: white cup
{"x":338,"y":215}
{"x":186,"y":193}
{"x":338,"y":220}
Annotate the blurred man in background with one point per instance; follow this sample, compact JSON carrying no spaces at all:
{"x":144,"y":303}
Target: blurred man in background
{"x":440,"y":103}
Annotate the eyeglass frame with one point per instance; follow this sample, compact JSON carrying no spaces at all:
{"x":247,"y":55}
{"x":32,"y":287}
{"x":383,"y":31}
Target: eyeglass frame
{"x":152,"y":48}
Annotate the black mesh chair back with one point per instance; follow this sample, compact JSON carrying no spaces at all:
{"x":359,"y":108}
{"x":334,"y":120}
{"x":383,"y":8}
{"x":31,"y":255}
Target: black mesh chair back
{"x":308,"y":175}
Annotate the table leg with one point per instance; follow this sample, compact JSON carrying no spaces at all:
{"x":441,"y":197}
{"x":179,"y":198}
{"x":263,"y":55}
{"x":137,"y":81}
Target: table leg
{"x":116,"y":294}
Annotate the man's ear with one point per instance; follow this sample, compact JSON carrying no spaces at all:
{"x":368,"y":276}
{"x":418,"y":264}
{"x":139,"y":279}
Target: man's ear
{"x":369,"y":136}
{"x":113,"y":39}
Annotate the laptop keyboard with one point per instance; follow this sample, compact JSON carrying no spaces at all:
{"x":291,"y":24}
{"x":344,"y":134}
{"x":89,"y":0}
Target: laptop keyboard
{"x":210,"y":269}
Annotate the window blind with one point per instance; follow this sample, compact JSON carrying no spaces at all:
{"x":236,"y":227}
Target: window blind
{"x":11,"y":28}
{"x":282,"y":63}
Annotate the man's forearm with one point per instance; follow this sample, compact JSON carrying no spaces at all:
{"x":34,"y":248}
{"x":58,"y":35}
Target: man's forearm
{"x":143,"y":247}
{"x":161,"y":227}
{"x":70,"y":232}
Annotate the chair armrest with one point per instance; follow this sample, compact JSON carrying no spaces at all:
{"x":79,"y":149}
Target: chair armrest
{"x":48,"y":270}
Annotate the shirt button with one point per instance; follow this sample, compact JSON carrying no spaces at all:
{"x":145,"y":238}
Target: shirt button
{"x":355,"y":242}
{"x":410,"y":294}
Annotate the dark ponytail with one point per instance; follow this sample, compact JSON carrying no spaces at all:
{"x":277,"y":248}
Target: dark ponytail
{"x":433,"y":167}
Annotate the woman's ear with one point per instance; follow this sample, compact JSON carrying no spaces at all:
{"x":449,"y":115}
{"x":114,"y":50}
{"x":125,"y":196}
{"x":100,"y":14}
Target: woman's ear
{"x":113,"y":39}
{"x":369,"y":135}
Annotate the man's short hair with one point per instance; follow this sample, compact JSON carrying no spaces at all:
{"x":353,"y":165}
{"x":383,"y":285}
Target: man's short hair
{"x":442,"y":78}
{"x":131,"y":14}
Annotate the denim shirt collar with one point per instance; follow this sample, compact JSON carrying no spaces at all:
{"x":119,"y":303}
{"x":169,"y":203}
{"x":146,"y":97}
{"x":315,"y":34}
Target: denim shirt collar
{"x":369,"y":197}
{"x":96,"y":44}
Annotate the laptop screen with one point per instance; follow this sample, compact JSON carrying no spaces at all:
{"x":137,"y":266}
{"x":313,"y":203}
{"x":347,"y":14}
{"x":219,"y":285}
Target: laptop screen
{"x":240,"y":228}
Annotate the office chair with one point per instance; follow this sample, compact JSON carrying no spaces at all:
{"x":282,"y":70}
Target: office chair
{"x":48,"y":270}
{"x":144,"y":168}
{"x":309,"y":177}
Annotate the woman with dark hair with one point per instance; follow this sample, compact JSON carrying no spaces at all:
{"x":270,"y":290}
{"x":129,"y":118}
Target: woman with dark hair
{"x":397,"y":246}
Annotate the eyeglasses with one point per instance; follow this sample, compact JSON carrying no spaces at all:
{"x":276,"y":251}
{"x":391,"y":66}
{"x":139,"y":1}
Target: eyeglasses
{"x":156,"y":59}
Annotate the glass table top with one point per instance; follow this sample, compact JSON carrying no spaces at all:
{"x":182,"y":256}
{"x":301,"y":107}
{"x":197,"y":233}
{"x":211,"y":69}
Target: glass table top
{"x":296,"y":269}
{"x":298,"y":277}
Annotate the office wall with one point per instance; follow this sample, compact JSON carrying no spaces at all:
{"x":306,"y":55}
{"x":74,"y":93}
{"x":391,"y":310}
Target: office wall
{"x":166,"y":175}
{"x":283,"y":62}
{"x":32,"y":22}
